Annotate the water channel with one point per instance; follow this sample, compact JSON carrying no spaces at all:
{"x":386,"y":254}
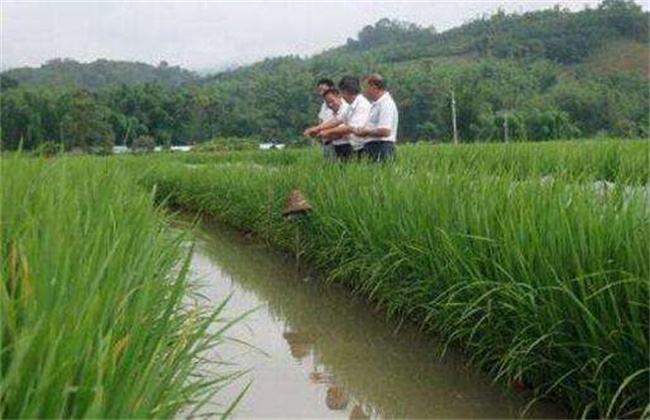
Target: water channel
{"x":316,"y":351}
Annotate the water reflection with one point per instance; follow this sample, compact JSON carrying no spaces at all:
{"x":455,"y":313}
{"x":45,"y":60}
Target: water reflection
{"x":336,"y":399}
{"x":358,"y":413}
{"x":333,"y":355}
{"x":300,"y":344}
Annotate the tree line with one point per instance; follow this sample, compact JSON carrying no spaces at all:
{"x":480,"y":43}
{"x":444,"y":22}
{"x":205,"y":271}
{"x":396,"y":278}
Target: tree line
{"x":526,"y":77}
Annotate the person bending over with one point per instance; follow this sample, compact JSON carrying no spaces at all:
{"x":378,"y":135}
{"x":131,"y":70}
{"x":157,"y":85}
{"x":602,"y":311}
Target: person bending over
{"x":341,"y":127}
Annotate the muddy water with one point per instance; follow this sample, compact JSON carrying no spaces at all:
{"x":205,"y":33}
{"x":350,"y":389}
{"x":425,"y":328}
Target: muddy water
{"x":318,"y":352}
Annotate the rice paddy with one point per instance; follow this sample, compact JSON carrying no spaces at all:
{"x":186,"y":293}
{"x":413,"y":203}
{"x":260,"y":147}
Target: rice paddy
{"x":94,"y":299}
{"x":515,"y":253}
{"x":531,"y":258}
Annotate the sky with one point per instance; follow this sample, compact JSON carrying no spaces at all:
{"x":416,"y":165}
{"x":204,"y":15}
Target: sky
{"x":209,"y":34}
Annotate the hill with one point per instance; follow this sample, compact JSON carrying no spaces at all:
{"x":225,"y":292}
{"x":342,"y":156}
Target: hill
{"x":550,"y":73}
{"x":98,"y":74}
{"x":619,"y":57}
{"x":546,"y":75}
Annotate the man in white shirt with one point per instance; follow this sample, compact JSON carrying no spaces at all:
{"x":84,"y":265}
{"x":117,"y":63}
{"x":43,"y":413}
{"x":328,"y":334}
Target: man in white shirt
{"x":380,"y":133}
{"x":340,"y":128}
{"x":341,"y":109}
{"x":325,"y":113}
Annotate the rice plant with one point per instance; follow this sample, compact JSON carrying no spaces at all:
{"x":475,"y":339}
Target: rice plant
{"x":517,"y":253}
{"x":94,"y":297}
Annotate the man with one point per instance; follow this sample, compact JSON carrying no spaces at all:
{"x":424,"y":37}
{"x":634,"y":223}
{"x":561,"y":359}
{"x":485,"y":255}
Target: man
{"x":340,"y":128}
{"x":340,"y":108}
{"x":325,"y":114}
{"x":380,"y":133}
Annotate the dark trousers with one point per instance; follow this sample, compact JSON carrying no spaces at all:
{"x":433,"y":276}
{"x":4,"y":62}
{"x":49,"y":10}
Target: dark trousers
{"x":378,"y":151}
{"x":328,"y":152}
{"x":343,"y":152}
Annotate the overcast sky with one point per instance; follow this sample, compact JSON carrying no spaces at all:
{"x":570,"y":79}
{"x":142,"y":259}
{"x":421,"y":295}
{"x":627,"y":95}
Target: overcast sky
{"x":199,"y":35}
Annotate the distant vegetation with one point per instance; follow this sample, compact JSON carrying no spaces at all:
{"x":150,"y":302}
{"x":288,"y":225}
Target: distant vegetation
{"x":99,"y":74}
{"x":546,"y":75}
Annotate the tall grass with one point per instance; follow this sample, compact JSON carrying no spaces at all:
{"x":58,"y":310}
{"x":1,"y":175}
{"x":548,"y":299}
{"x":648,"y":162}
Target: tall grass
{"x":543,"y":280}
{"x":93,"y":297}
{"x":607,"y":160}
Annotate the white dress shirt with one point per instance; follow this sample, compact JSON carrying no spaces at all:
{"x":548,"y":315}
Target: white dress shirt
{"x":343,"y":110}
{"x":383,"y":114}
{"x":356,"y":117}
{"x":325,"y":113}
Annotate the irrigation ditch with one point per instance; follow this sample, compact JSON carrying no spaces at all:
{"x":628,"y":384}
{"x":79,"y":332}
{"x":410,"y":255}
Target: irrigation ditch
{"x":542,"y":284}
{"x":313,"y":350}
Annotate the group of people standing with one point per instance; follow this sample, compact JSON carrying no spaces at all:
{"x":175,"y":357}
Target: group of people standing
{"x":352,"y":124}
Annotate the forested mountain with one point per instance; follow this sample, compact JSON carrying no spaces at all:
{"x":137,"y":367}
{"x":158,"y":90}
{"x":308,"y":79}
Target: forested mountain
{"x":99,"y":74}
{"x":547,"y":74}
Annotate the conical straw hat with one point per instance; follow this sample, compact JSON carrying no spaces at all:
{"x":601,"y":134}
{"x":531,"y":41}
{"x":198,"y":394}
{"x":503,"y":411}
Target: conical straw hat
{"x":295,"y":203}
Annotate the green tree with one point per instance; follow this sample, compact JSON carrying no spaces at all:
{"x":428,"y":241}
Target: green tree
{"x":86,"y":123}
